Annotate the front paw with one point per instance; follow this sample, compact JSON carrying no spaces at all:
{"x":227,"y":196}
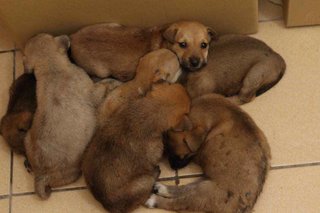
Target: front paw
{"x":161,"y":190}
{"x":151,"y":202}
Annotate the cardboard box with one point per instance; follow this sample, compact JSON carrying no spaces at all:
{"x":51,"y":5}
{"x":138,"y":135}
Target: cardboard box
{"x":301,"y":12}
{"x":29,"y":17}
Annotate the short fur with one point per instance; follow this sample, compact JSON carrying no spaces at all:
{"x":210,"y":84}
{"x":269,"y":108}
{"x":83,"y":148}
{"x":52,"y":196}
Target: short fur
{"x":64,"y":120}
{"x":114,"y":50}
{"x":232,"y":151}
{"x":239,"y":67}
{"x":18,"y":119}
{"x":120,"y":164}
{"x":159,"y":65}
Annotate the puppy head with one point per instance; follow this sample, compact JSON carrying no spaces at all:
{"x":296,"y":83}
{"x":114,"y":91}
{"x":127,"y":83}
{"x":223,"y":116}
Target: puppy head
{"x":183,"y":142}
{"x":40,"y":46}
{"x":190,"y":41}
{"x":161,"y":65}
{"x":14,"y":128}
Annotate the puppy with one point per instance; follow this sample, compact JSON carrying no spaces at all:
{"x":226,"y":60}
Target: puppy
{"x":114,"y":50}
{"x":120,"y":163}
{"x":232,"y":151}
{"x":158,"y":65}
{"x":22,"y":105}
{"x":239,"y":67}
{"x":64,"y":120}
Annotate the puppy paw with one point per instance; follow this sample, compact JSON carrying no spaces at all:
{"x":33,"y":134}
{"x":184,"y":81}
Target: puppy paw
{"x":151,"y":202}
{"x":161,"y":190}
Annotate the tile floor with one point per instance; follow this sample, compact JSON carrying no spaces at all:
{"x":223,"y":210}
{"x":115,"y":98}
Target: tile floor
{"x":289,"y":115}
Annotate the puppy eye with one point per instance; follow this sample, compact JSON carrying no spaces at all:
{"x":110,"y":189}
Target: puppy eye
{"x":183,"y":44}
{"x":204,"y":45}
{"x":22,"y":130}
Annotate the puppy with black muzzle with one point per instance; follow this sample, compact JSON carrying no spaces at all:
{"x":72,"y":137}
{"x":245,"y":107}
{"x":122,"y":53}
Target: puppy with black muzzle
{"x":120,"y":163}
{"x":157,"y":66}
{"x":65,"y":119}
{"x":232,"y":151}
{"x":239,"y":67}
{"x":114,"y":50}
{"x":18,"y":118}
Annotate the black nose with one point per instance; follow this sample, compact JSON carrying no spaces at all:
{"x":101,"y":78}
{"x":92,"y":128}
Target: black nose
{"x":178,"y":163}
{"x":194,"y":61}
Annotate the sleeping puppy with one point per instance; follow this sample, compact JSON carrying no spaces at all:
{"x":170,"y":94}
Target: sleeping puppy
{"x":22,"y":105}
{"x":156,"y":66}
{"x":114,"y":50}
{"x":239,"y":67}
{"x":120,"y":163}
{"x":64,"y":120}
{"x":232,"y":151}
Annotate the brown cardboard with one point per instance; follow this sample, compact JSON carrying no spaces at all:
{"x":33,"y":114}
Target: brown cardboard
{"x":28,"y":17}
{"x":301,"y":12}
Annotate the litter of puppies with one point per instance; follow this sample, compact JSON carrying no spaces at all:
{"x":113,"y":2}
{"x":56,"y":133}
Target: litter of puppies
{"x":132,"y":93}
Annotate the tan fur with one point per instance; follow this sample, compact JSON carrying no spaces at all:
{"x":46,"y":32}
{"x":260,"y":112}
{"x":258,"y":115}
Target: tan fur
{"x":64,"y":120}
{"x":120,"y":163}
{"x":239,"y":67}
{"x":159,"y":65}
{"x":232,"y":151}
{"x":113,"y":50}
{"x":18,"y":118}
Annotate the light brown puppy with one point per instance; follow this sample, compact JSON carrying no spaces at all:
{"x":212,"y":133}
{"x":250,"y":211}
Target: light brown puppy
{"x":22,"y":105}
{"x":232,"y":151}
{"x":64,"y":121}
{"x":158,"y":65}
{"x":113,"y":50}
{"x":239,"y":67}
{"x":120,"y":163}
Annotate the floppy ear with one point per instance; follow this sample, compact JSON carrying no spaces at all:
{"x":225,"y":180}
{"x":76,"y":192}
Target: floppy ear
{"x":28,"y":67}
{"x":213,"y":34}
{"x":170,"y":33}
{"x":63,"y":42}
{"x":184,"y":125}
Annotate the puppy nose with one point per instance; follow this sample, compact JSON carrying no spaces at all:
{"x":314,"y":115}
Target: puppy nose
{"x":194,"y":61}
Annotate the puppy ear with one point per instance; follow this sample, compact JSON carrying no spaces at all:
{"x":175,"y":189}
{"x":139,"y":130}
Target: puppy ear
{"x":63,"y":42}
{"x":213,"y":34}
{"x":184,"y":125}
{"x":28,"y":67}
{"x":170,"y":33}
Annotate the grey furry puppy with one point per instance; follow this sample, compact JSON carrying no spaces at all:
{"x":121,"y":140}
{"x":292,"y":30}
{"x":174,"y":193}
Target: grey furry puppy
{"x":64,"y":121}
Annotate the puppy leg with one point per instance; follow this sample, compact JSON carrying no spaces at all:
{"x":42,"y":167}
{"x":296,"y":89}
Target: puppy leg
{"x":201,"y":196}
{"x":173,"y":191}
{"x":262,"y":76}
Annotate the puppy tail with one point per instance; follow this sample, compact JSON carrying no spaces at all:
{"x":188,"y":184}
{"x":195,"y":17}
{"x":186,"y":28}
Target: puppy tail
{"x":42,"y":187}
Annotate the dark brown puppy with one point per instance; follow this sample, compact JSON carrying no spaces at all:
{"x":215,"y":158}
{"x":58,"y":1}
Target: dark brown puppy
{"x":120,"y":163}
{"x":22,"y":105}
{"x":239,"y":67}
{"x":113,"y":50}
{"x":232,"y":151}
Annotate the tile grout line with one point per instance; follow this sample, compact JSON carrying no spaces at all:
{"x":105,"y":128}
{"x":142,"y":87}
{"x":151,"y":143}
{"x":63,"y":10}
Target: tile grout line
{"x":295,"y":166}
{"x":11,"y":152}
{"x":9,"y":51}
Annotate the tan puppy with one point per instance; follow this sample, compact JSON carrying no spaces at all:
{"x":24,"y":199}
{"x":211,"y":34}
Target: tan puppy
{"x":22,"y":105}
{"x":120,"y":164}
{"x":113,"y":50}
{"x":239,"y":67}
{"x":158,"y":65}
{"x":232,"y":151}
{"x":65,"y":120}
